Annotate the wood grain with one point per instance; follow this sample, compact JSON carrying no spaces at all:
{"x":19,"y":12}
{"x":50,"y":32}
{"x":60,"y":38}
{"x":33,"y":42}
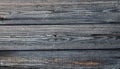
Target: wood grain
{"x":59,"y":12}
{"x":59,"y":34}
{"x":60,"y":59}
{"x":59,"y":37}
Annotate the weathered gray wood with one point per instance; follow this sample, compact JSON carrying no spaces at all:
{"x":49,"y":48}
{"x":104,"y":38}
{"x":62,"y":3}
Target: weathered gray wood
{"x":60,"y":37}
{"x":59,"y":12}
{"x":90,"y":59}
{"x":59,"y":34}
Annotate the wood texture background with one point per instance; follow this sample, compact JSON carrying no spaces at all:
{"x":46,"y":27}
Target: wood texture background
{"x":59,"y":34}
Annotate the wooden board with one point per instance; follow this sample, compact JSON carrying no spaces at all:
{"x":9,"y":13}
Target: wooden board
{"x":54,"y":12}
{"x":59,"y":37}
{"x":94,"y":59}
{"x":59,"y":34}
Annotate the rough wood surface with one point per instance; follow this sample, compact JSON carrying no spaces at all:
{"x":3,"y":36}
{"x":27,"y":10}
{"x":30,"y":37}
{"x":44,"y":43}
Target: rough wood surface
{"x":59,"y":37}
{"x":90,"y":59}
{"x":59,"y":34}
{"x":59,"y":12}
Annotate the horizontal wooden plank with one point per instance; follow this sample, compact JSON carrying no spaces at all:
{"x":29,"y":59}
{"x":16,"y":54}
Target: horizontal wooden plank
{"x":32,"y":37}
{"x":59,"y":12}
{"x":60,"y":59}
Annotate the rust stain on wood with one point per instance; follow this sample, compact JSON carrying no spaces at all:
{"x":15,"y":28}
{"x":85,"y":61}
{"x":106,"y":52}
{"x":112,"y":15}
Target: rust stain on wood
{"x":86,"y":63}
